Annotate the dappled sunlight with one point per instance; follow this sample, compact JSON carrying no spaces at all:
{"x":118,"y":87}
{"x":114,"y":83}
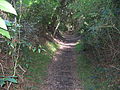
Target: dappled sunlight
{"x":64,"y":46}
{"x":40,"y":37}
{"x":55,"y":59}
{"x":51,"y":46}
{"x":63,"y":67}
{"x":65,"y":43}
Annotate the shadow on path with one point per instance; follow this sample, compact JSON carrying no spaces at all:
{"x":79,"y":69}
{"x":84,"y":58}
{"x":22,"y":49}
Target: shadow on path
{"x":62,"y":74}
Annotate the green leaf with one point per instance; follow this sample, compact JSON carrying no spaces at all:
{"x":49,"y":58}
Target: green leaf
{"x":2,"y":76}
{"x":7,"y":7}
{"x":2,"y":24}
{"x":11,"y":80}
{"x":26,"y":2}
{"x":5,"y":33}
{"x":8,"y":76}
{"x":2,"y":82}
{"x":39,"y":50}
{"x":34,"y":49}
{"x":8,"y":23}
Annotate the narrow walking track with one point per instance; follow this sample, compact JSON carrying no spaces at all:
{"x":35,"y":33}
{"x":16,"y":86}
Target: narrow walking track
{"x":62,"y":71}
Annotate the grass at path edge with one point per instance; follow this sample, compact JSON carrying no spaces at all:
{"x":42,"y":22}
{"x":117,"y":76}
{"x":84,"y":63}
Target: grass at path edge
{"x":37,"y":64}
{"x":87,"y":73}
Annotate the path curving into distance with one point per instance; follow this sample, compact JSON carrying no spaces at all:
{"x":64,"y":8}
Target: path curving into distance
{"x":62,"y":72}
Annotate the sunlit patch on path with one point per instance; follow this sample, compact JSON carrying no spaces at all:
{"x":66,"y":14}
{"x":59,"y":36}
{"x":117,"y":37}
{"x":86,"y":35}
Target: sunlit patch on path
{"x":62,"y":71}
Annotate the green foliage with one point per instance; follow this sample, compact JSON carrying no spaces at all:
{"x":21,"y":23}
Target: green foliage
{"x":37,"y":64}
{"x":11,"y":79}
{"x":7,"y":7}
{"x":43,"y":15}
{"x":85,"y":71}
{"x":99,"y":29}
{"x":94,"y":20}
{"x":88,"y":73}
{"x":5,"y":33}
{"x":2,"y":25}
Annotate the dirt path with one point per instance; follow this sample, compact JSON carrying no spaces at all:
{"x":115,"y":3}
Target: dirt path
{"x":62,"y":71}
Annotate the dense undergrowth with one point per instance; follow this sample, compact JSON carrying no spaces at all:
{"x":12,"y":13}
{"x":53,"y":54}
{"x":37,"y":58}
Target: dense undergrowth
{"x":36,"y":65}
{"x":100,"y":44}
{"x":27,"y":38}
{"x":94,"y":77}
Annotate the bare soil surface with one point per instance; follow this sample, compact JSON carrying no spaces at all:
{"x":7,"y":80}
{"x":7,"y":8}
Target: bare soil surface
{"x":62,"y":72}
